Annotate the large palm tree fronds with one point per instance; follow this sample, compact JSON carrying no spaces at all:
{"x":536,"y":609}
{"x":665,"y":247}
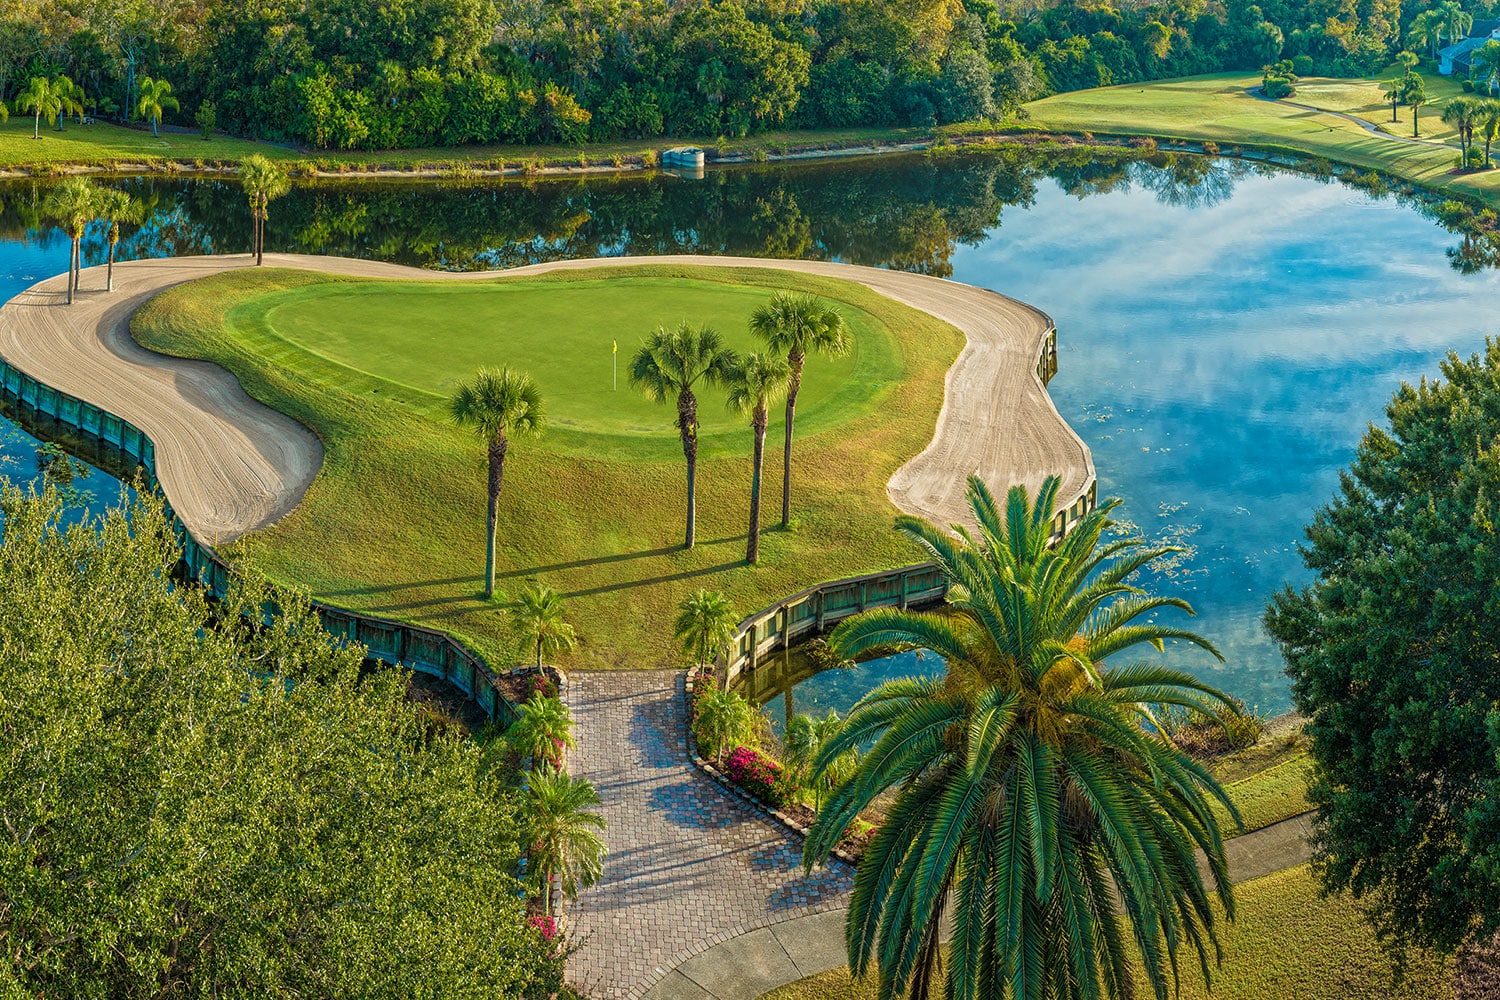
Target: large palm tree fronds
{"x":40,"y":99}
{"x":541,"y":725}
{"x":564,"y":831}
{"x":1032,"y":792}
{"x":155,"y":99}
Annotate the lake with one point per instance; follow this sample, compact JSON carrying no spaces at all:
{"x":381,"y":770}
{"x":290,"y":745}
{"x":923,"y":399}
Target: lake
{"x":1227,"y":331}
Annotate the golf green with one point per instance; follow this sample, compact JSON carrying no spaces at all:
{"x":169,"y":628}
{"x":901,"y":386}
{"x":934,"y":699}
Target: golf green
{"x":414,"y":341}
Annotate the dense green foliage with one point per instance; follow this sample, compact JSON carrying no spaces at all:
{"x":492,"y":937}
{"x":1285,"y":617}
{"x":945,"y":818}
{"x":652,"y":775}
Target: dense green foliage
{"x":1032,"y":797}
{"x":347,"y":74}
{"x":1394,"y":654}
{"x":194,"y":807}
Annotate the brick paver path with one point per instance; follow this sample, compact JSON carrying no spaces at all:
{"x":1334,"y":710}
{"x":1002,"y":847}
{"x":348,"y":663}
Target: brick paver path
{"x":689,"y":866}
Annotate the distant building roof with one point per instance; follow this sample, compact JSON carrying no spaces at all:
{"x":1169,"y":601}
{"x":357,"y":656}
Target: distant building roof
{"x":1484,"y":29}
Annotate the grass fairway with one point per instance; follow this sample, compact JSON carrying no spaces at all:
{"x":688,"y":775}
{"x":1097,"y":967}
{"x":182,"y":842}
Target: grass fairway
{"x":415,"y":341}
{"x":394,"y":523}
{"x":1270,"y":796}
{"x":101,"y":143}
{"x":1221,"y":108}
{"x":1287,"y":944}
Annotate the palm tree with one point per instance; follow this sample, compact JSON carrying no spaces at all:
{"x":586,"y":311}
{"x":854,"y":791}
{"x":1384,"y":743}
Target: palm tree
{"x":1392,"y":94}
{"x":805,"y":738}
{"x":263,"y":182}
{"x":115,"y":207}
{"x":497,"y":405}
{"x":1459,"y":112}
{"x":1408,"y":60}
{"x":1489,"y":125}
{"x":668,"y":366}
{"x":705,"y":625}
{"x":1488,"y":56}
{"x":1416,"y":96}
{"x":542,"y":728}
{"x":1032,"y":793}
{"x":562,"y":829}
{"x":755,"y":381}
{"x":1456,"y":21}
{"x":41,"y":100}
{"x":725,"y":719}
{"x":1426,"y":30}
{"x":797,"y":325}
{"x":70,"y":99}
{"x":156,"y":97}
{"x":73,"y":204}
{"x":538,"y":619}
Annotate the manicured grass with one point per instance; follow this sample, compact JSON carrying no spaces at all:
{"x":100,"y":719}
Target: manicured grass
{"x":102,"y":144}
{"x":1220,"y":108}
{"x":105,"y":144}
{"x":1279,"y":792}
{"x":415,"y":341}
{"x":394,"y":523}
{"x":1287,"y":943}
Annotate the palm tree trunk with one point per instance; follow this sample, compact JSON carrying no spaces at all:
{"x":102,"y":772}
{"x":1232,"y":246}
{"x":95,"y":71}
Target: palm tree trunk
{"x":109,"y":271}
{"x":752,"y":547}
{"x":794,"y":385}
{"x":153,"y":127}
{"x":72,"y":256}
{"x":1414,"y":122}
{"x":36,"y":126}
{"x":687,"y":425}
{"x":539,"y":652}
{"x":497,"y":473}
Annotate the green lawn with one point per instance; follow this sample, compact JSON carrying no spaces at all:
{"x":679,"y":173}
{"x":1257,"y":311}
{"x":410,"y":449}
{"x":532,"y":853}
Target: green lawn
{"x":1287,"y":944}
{"x":1279,"y":792}
{"x":394,"y":523}
{"x":414,"y":342}
{"x":105,"y":144}
{"x":1221,"y":109}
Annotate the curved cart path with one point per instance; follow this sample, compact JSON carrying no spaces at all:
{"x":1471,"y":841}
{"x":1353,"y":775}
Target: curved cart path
{"x":231,"y":465}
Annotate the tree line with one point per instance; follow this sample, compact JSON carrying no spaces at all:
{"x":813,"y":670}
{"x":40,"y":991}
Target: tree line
{"x":345,"y":74}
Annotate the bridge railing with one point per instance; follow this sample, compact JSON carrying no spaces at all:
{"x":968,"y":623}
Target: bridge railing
{"x":120,"y":448}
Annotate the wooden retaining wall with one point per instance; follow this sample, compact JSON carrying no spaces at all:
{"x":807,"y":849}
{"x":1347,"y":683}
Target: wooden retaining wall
{"x":120,"y":448}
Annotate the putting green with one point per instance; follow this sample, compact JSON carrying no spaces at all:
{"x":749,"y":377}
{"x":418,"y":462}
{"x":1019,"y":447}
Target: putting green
{"x":414,"y":341}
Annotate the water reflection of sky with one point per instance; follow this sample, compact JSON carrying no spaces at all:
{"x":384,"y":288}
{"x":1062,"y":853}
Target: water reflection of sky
{"x":1222,"y":363}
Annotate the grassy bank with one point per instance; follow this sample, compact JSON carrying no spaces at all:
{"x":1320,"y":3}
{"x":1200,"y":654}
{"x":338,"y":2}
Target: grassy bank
{"x":394,"y":523}
{"x":112,"y":147}
{"x":1288,"y":942}
{"x":1221,"y":109}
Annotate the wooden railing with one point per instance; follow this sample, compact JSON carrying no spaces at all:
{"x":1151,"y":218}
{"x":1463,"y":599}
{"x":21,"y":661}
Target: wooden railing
{"x":810,"y":612}
{"x":119,"y":447}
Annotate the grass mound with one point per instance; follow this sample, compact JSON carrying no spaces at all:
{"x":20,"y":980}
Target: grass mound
{"x":394,"y":523}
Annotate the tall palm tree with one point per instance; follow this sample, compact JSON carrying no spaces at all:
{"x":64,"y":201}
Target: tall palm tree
{"x":1032,"y":792}
{"x":705,"y":627}
{"x":497,"y":405}
{"x":542,"y":728}
{"x":1489,"y":125}
{"x":115,"y":207}
{"x":263,"y":182}
{"x":1460,"y":112}
{"x":155,"y":98}
{"x":1416,"y":96}
{"x":669,"y":365}
{"x":804,"y":739}
{"x":41,"y":100}
{"x":70,"y":98}
{"x":1392,"y":94}
{"x":563,"y":831}
{"x":73,"y":204}
{"x":753,"y":384}
{"x":538,"y":618}
{"x":798,"y":325}
{"x":1408,"y":60}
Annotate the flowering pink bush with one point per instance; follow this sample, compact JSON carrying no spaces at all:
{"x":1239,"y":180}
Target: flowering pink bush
{"x":542,"y":686}
{"x":546,"y":925}
{"x":757,"y":774}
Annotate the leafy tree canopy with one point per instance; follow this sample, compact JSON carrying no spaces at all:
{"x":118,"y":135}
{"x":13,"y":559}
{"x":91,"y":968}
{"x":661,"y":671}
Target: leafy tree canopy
{"x":1394,"y":654}
{"x":190,"y":806}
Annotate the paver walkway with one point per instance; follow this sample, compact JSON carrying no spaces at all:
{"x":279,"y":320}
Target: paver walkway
{"x":689,"y":866}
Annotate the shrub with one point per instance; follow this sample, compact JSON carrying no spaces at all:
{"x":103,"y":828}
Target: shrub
{"x":207,"y":117}
{"x":1211,"y":148}
{"x":1144,"y":143}
{"x":758,"y":774}
{"x":544,"y":925}
{"x":1208,"y":735}
{"x":1468,"y":86}
{"x":1302,"y":65}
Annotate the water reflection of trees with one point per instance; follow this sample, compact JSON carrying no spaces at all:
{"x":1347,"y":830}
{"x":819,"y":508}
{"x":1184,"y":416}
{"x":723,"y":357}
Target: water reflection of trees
{"x":906,"y":212}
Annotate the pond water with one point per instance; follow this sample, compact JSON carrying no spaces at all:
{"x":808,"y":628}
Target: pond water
{"x":1226,"y":331}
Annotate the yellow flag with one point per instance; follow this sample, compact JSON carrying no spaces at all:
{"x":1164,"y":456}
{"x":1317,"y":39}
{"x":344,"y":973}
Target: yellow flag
{"x":616,"y":347}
